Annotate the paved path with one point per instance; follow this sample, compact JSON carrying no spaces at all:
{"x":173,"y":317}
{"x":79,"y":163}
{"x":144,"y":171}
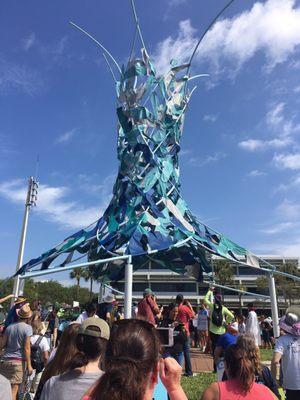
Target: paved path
{"x":201,"y":362}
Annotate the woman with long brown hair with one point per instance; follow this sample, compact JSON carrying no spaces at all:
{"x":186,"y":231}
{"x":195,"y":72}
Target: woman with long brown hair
{"x":132,"y":362}
{"x":64,"y":354}
{"x":241,"y":365}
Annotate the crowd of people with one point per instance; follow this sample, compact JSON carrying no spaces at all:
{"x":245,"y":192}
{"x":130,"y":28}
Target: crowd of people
{"x":97,"y":354}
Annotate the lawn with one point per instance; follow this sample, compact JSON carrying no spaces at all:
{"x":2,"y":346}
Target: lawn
{"x":266,"y":355}
{"x":195,"y":386}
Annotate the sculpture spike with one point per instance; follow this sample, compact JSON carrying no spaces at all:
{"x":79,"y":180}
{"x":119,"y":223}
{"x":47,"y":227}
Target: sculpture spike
{"x":98,"y":43}
{"x":206,"y":30}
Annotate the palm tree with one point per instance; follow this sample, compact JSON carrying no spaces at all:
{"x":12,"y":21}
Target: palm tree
{"x":89,"y":276}
{"x":77,"y":274}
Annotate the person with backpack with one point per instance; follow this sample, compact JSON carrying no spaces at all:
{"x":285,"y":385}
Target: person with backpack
{"x":16,"y":343}
{"x":220,"y":316}
{"x":39,"y":353}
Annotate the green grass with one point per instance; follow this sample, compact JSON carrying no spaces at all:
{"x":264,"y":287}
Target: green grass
{"x":266,"y":355}
{"x":195,"y":386}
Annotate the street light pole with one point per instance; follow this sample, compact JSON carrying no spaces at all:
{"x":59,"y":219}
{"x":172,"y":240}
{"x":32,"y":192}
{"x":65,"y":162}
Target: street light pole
{"x":31,"y":200}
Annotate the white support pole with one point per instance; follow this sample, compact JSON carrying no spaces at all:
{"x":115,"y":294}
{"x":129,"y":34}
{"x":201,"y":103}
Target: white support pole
{"x":19,"y":286}
{"x":274,"y":308}
{"x":128,"y":288}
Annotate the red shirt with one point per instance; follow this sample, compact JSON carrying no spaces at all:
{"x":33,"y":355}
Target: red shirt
{"x":184,"y":315}
{"x":229,"y":390}
{"x":147,"y":309}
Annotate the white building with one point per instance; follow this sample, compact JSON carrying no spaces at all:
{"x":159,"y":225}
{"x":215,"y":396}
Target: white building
{"x":167,"y":284}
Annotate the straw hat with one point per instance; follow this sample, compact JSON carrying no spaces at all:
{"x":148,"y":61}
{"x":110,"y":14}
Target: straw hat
{"x":24,"y":312}
{"x":20,"y":299}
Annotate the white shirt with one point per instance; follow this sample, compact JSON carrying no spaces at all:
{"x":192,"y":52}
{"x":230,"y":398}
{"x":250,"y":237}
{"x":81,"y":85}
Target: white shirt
{"x":289,"y":347}
{"x":44,"y":345}
{"x":253,"y":328}
{"x":83,"y":316}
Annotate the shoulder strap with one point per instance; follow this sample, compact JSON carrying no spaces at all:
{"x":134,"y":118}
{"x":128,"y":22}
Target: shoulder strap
{"x":37,"y":343}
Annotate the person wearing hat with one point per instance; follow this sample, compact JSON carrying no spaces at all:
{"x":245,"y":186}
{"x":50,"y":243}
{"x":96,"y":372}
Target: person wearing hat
{"x":219,"y":315}
{"x":147,"y":307}
{"x":252,"y":325}
{"x":106,"y":309}
{"x":287,"y":353}
{"x":16,"y":344}
{"x":84,"y":369}
{"x":224,"y":341}
{"x":12,"y":314}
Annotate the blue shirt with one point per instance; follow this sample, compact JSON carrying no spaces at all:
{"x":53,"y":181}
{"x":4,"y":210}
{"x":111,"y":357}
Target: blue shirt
{"x":226,"y":340}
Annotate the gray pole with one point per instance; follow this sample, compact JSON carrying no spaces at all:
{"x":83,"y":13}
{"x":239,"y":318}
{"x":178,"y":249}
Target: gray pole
{"x":274,"y":308}
{"x":30,"y":200}
{"x":128,"y":288}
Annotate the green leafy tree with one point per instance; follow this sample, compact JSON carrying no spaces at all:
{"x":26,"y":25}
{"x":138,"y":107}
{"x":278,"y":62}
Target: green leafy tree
{"x":285,"y":287}
{"x":224,"y":273}
{"x":262,"y":285}
{"x":77,"y":274}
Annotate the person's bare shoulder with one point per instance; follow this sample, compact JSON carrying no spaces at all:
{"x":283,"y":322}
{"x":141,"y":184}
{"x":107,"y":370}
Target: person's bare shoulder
{"x":211,"y":393}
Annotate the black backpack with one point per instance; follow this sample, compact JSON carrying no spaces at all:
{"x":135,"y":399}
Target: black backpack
{"x":37,"y":362}
{"x":217,"y":316}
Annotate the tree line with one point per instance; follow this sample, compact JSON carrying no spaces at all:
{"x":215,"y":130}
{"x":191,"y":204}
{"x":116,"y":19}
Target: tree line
{"x":49,"y":292}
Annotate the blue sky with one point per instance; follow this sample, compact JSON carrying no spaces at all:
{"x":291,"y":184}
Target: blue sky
{"x":240,"y":162}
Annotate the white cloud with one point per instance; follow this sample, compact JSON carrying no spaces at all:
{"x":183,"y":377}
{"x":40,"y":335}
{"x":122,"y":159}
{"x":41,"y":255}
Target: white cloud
{"x":279,"y":228}
{"x":288,"y":210}
{"x":275,"y":115}
{"x":185,"y":152}
{"x":255,"y":173}
{"x":200,"y":162}
{"x":256,"y":144}
{"x":287,"y":161}
{"x":271,"y":27}
{"x":28,"y":42}
{"x":297,"y":89}
{"x":276,"y":120}
{"x":292,"y":184}
{"x":210,"y":118}
{"x":20,"y":78}
{"x":66,"y":137}
{"x":53,"y":204}
{"x":291,"y":249}
{"x":170,"y":48}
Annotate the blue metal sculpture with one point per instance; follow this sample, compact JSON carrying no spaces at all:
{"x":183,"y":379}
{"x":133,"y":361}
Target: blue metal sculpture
{"x":147,"y":216}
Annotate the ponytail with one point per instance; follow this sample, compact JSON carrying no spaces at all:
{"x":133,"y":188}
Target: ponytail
{"x":79,"y":360}
{"x":90,"y":349}
{"x":241,"y":364}
{"x":246,"y":374}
